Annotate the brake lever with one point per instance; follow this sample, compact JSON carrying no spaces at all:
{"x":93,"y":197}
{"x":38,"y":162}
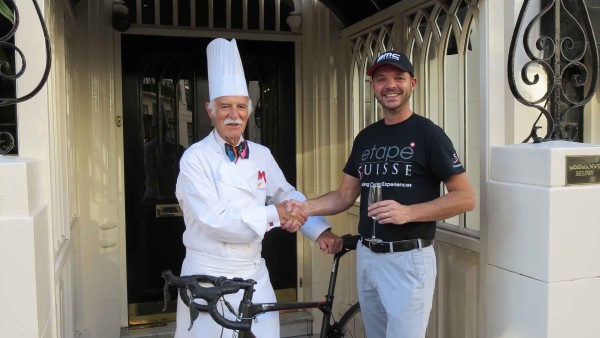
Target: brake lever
{"x":194,"y":312}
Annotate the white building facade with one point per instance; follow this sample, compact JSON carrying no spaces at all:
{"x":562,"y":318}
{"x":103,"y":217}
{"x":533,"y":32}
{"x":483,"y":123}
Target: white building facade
{"x":63,"y":215}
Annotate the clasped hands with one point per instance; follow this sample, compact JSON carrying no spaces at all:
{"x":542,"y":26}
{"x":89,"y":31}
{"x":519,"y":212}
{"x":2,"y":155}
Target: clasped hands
{"x":292,"y":215}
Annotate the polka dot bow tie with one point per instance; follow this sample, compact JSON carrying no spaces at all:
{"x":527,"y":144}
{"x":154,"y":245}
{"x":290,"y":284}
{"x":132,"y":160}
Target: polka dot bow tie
{"x":239,"y":151}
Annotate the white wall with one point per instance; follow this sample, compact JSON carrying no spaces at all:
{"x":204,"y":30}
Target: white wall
{"x":99,"y":276}
{"x":27,"y":280}
{"x":509,"y":122}
{"x":40,"y":304}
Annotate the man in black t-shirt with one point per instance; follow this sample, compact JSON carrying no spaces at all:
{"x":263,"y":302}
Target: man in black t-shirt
{"x":408,"y":156}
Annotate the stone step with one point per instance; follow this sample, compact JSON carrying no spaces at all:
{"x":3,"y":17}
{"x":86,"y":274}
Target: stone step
{"x":296,"y":324}
{"x":293,"y":324}
{"x":162,"y":330}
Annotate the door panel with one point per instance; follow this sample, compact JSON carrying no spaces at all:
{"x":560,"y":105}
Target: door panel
{"x":157,"y":112}
{"x":164,"y":90}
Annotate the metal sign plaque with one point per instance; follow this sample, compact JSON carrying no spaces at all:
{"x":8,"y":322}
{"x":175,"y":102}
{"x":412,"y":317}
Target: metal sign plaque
{"x":583,"y":169}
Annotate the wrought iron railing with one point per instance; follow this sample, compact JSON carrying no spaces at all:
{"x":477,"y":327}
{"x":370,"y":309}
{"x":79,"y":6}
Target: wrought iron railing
{"x":8,"y":74}
{"x":568,"y":57}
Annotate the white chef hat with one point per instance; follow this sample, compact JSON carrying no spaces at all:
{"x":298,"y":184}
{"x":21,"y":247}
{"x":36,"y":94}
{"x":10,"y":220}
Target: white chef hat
{"x":225,"y":70}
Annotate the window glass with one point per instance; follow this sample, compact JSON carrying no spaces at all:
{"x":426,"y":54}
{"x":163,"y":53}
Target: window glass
{"x":471,"y":157}
{"x":451,"y":112}
{"x":8,"y":70}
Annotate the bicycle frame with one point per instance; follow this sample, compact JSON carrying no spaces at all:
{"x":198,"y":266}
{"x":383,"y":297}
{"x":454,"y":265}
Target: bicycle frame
{"x":250,"y":310}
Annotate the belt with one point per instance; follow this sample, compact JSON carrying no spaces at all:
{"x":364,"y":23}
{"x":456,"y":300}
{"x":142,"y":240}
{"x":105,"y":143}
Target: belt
{"x":397,"y":246}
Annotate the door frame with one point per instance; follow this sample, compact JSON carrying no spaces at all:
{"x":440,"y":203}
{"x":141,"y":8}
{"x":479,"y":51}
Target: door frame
{"x":119,"y":137}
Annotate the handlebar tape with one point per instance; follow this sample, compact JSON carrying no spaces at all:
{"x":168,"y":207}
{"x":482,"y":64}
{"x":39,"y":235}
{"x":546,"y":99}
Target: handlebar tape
{"x":211,"y":295}
{"x":350,"y":241}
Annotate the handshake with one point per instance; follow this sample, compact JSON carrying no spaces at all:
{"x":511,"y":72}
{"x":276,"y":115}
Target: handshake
{"x":292,"y":214}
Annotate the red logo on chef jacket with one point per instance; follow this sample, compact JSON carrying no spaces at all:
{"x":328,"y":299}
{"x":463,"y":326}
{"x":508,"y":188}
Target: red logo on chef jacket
{"x":262,"y":179}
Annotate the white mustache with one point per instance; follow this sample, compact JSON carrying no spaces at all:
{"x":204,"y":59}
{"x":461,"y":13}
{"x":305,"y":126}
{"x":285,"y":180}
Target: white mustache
{"x":232,"y":121}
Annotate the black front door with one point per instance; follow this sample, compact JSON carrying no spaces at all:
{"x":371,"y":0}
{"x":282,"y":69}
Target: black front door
{"x":164,"y":91}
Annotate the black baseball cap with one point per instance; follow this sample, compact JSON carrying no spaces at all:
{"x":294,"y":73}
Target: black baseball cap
{"x":396,"y":59}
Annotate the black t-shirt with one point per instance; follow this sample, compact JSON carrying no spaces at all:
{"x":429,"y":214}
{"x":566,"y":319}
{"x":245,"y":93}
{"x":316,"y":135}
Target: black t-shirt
{"x":409,"y":159}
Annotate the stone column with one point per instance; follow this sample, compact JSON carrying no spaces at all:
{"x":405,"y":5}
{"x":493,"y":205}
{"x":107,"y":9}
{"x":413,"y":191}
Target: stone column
{"x":543,"y":266}
{"x":27,"y":272}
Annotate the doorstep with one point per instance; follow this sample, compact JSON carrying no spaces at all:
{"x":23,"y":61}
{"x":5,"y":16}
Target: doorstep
{"x":293,"y":324}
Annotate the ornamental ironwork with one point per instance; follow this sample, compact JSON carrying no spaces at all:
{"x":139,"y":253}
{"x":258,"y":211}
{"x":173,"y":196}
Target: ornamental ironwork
{"x":565,"y":54}
{"x":9,"y":72}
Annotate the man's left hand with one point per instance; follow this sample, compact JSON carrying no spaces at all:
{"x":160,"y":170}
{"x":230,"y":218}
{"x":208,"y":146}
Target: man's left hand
{"x":329,"y":242}
{"x":390,"y":212}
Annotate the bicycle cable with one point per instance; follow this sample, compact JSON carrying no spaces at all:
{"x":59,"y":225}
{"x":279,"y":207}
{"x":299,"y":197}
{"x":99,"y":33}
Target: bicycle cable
{"x":223,"y":328}
{"x":233,"y":312}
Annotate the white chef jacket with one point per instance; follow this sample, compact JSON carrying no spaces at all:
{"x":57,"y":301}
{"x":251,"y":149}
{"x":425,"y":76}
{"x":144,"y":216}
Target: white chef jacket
{"x":226,"y":216}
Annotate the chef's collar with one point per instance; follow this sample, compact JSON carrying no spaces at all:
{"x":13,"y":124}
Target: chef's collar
{"x":221,"y":141}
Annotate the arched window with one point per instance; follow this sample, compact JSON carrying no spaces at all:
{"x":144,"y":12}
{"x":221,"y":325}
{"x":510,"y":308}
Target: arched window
{"x":442,"y":41}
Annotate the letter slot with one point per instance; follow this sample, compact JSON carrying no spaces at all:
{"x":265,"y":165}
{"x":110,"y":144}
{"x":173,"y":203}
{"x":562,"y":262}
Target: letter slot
{"x":168,"y":210}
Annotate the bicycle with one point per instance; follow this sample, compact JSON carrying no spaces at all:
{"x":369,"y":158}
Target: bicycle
{"x":349,"y":325}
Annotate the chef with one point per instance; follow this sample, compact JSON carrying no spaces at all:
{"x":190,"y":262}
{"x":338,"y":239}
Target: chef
{"x":231,"y":192}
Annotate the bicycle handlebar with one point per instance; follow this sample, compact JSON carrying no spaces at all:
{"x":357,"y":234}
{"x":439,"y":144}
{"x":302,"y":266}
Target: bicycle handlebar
{"x":210,"y":294}
{"x":222,"y":286}
{"x":350,"y":242}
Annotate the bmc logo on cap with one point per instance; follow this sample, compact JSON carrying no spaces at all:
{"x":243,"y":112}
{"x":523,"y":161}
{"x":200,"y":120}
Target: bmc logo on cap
{"x":388,"y":55}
